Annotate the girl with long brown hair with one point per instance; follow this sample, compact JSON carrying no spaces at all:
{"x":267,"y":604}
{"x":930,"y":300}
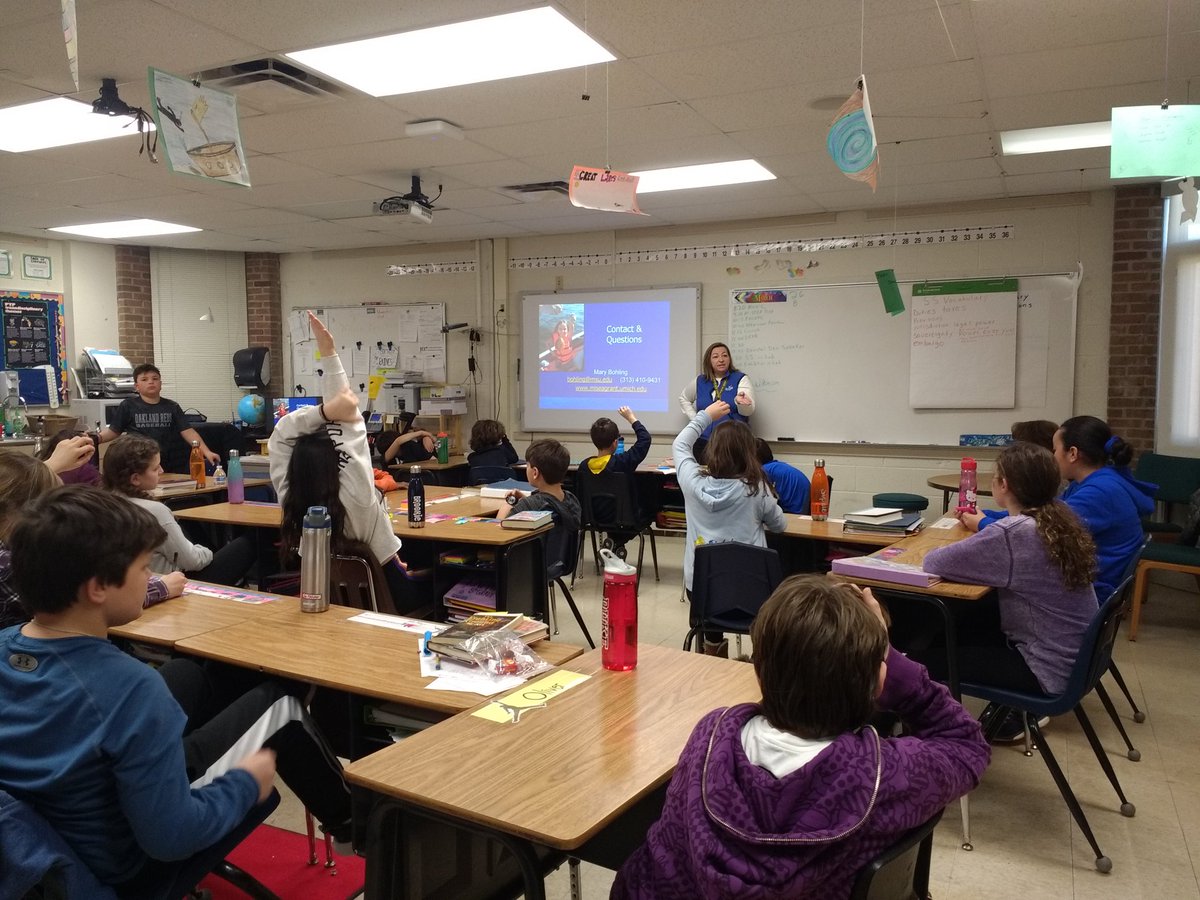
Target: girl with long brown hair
{"x":1042,"y":561}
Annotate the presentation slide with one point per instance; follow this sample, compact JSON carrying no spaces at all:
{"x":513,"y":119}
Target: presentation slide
{"x":586,"y":353}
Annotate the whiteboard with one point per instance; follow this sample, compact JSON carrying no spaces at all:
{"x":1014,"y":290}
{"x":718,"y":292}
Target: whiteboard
{"x":394,"y":341}
{"x":829,"y":365}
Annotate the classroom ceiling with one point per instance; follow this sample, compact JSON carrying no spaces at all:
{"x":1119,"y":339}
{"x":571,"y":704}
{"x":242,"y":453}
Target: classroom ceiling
{"x":695,"y":81}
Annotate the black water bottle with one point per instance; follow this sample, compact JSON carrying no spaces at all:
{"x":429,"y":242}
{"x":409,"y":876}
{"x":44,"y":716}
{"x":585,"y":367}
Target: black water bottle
{"x":416,"y":499}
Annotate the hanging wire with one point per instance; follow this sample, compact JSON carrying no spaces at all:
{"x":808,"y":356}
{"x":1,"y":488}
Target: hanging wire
{"x":946,"y":28}
{"x":1167,"y":56}
{"x":607,"y":107}
{"x":862,"y":36}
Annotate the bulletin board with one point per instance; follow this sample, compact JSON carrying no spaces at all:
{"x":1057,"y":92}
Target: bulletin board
{"x":33,"y":328}
{"x":829,"y":365}
{"x":396,"y":341}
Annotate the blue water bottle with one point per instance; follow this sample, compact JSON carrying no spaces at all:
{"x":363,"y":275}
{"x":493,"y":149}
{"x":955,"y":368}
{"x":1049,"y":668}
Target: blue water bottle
{"x":621,"y":445}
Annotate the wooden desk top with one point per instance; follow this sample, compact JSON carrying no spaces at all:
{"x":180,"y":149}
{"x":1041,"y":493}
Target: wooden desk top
{"x":173,"y":620}
{"x":466,"y":504}
{"x":326,"y":649}
{"x":912,"y":552}
{"x":572,"y":767}
{"x":805,"y":527}
{"x":949,"y":482}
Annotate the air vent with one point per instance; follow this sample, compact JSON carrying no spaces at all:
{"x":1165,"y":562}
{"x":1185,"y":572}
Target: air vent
{"x":270,"y":85}
{"x":538,"y":190}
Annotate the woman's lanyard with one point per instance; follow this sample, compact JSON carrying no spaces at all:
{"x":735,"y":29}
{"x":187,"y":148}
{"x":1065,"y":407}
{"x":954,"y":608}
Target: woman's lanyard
{"x":719,"y":388}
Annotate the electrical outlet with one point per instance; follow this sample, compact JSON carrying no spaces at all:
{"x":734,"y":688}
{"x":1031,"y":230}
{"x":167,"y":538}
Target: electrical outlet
{"x":501,"y":319}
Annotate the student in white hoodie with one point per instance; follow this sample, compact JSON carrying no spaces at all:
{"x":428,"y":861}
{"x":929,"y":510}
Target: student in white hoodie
{"x":320,"y":457}
{"x":730,"y":499}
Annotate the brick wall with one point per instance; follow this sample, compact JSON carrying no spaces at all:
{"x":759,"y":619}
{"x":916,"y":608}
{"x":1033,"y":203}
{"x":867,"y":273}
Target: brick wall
{"x":1133,"y":328}
{"x":135,"y":315}
{"x":264,"y":316}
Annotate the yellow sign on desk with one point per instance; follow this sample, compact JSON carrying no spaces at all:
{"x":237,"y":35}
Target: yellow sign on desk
{"x":509,"y":709}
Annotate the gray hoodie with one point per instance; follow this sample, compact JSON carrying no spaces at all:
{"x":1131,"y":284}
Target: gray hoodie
{"x":719,"y":509}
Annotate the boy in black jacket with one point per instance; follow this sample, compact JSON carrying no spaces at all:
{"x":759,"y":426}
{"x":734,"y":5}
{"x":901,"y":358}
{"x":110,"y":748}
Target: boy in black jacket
{"x":604,"y":436}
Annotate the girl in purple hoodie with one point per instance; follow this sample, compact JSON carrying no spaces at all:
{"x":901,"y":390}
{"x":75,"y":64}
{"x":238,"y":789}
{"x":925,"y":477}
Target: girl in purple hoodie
{"x":793,"y":796}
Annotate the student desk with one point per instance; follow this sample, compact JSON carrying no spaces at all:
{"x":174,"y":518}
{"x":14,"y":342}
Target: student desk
{"x":171,"y":621}
{"x":211,"y":487}
{"x":564,"y":779}
{"x":831,"y":530}
{"x":948,"y":484}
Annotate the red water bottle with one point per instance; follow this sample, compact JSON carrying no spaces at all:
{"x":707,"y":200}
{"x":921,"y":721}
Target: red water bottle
{"x":967,"y":481}
{"x":618,"y":622}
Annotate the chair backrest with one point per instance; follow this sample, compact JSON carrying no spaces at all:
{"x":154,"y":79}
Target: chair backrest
{"x":489,"y":474}
{"x":1190,"y":536}
{"x":1131,"y":565}
{"x":36,"y":862}
{"x":1177,"y":477}
{"x":357,"y":580}
{"x":561,"y":548}
{"x":731,"y":581}
{"x":1095,"y":652}
{"x":608,"y":499}
{"x":901,"y":871}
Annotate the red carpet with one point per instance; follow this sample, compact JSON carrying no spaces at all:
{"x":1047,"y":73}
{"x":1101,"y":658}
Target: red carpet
{"x":279,"y":860}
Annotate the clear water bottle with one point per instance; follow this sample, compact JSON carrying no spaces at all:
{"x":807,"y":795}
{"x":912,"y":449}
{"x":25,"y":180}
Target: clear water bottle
{"x":416,"y":499}
{"x":314,"y":560}
{"x":621,"y":444}
{"x":967,"y":482}
{"x":237,"y":482}
{"x":619,"y":614}
{"x":219,"y":477}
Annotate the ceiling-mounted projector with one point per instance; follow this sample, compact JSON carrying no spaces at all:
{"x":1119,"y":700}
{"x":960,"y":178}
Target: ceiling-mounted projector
{"x":398,"y":206}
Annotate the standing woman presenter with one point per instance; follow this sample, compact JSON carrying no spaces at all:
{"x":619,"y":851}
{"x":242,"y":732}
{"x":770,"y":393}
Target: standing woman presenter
{"x":718,"y":380}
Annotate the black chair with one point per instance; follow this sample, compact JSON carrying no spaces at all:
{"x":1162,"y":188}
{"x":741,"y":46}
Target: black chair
{"x":1095,"y":653}
{"x":609,"y":502}
{"x":901,"y":872}
{"x":1138,"y":715}
{"x":730,"y":583}
{"x":489,"y":474}
{"x":561,"y":548}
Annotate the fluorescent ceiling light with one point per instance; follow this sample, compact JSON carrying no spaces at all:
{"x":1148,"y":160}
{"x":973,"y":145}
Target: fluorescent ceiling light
{"x":57,"y":123}
{"x":506,"y":46}
{"x":126,"y":228}
{"x":1057,"y":137}
{"x":737,"y":171}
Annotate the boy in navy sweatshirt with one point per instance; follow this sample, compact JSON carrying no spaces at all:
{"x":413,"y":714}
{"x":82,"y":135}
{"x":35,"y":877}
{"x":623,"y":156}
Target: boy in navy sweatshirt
{"x":605,"y":434}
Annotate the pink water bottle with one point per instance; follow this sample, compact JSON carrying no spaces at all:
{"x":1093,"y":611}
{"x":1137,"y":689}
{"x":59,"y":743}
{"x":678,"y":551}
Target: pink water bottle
{"x":966,"y":485}
{"x":618,"y":622}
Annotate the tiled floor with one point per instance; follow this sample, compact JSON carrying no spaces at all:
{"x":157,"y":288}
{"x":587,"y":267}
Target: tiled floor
{"x":1025,"y":842}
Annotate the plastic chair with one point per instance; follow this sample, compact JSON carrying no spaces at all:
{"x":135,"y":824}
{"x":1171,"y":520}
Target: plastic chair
{"x":901,"y":872}
{"x":561,"y":548}
{"x":1180,"y":557}
{"x":358,"y":581}
{"x":1177,"y":477}
{"x":1095,"y":653}
{"x":489,"y":474}
{"x":1138,"y":715}
{"x":906,"y":502}
{"x":609,"y":502}
{"x":730,"y":583}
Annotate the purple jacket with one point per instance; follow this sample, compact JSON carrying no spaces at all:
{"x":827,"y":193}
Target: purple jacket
{"x":732,"y":829}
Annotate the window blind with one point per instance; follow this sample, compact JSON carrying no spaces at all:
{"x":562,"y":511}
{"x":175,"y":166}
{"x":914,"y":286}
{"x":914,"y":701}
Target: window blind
{"x":1178,"y":420}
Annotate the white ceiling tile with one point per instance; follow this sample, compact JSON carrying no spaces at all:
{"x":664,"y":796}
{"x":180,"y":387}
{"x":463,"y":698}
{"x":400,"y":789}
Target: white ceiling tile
{"x":1073,"y":68}
{"x":328,"y":124}
{"x":401,"y":155}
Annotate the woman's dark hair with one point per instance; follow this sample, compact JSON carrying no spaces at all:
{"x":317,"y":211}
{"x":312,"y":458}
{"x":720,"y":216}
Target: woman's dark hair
{"x":22,"y":478}
{"x":1033,"y":478}
{"x":817,"y":650}
{"x":706,"y":365}
{"x":1095,"y":441}
{"x":314,"y":479}
{"x":486,"y":433}
{"x":129,"y":455}
{"x":732,"y":453}
{"x":1035,"y":431}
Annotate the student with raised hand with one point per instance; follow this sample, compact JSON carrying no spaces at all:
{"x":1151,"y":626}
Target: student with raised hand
{"x":730,"y":500}
{"x":605,"y":434}
{"x":792,"y":796}
{"x":128,"y":764}
{"x":22,"y":480}
{"x":132,"y":469}
{"x":790,"y":483}
{"x":320,"y":457}
{"x":718,"y":380}
{"x":1042,"y":561}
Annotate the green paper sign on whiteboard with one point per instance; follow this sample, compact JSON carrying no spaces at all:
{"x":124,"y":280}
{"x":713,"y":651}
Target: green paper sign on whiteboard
{"x":1153,"y":142}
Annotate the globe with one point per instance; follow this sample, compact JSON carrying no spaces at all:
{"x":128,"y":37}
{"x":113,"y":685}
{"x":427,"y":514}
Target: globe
{"x":252,"y":409}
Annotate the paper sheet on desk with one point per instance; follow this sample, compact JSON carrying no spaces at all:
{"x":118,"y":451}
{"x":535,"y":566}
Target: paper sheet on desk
{"x":455,"y":676}
{"x":400,"y":623}
{"x":945,"y":522}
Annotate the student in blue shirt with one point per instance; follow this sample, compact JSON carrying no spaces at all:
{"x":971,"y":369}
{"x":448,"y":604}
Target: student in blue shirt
{"x":790,"y":483}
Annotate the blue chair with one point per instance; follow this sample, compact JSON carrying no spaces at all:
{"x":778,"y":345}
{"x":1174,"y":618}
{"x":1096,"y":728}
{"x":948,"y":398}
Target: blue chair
{"x":489,"y":474}
{"x":730,"y":583}
{"x":1095,"y":653}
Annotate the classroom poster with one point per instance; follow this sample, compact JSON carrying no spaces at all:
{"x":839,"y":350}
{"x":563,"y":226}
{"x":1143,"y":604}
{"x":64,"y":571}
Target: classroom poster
{"x":34,"y":331}
{"x":199,"y":128}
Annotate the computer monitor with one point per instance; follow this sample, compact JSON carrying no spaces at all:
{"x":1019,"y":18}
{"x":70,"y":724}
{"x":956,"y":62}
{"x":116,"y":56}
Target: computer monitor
{"x":285,"y":405}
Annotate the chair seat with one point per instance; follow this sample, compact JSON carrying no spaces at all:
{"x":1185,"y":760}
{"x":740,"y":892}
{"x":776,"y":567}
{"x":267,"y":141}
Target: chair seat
{"x":1172,"y":554}
{"x":913,"y":502}
{"x":1152,"y":526}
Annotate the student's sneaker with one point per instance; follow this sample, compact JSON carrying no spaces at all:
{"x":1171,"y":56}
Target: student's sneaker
{"x":1013,"y":728}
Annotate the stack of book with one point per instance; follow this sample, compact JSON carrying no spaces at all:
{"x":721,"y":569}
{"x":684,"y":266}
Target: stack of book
{"x":468,"y":597}
{"x":173,"y":484}
{"x":453,"y":641}
{"x":882,"y":520}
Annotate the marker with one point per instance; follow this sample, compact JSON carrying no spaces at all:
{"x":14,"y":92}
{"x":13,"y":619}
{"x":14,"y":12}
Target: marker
{"x":425,"y":646}
{"x":785,"y":439}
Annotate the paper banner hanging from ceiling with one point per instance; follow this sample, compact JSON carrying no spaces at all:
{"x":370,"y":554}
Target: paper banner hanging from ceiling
{"x":199,"y":127}
{"x":851,"y":138}
{"x":604,"y":189}
{"x":71,"y":38}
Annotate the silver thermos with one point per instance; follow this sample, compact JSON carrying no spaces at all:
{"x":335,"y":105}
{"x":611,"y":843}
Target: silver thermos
{"x":314,"y":560}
